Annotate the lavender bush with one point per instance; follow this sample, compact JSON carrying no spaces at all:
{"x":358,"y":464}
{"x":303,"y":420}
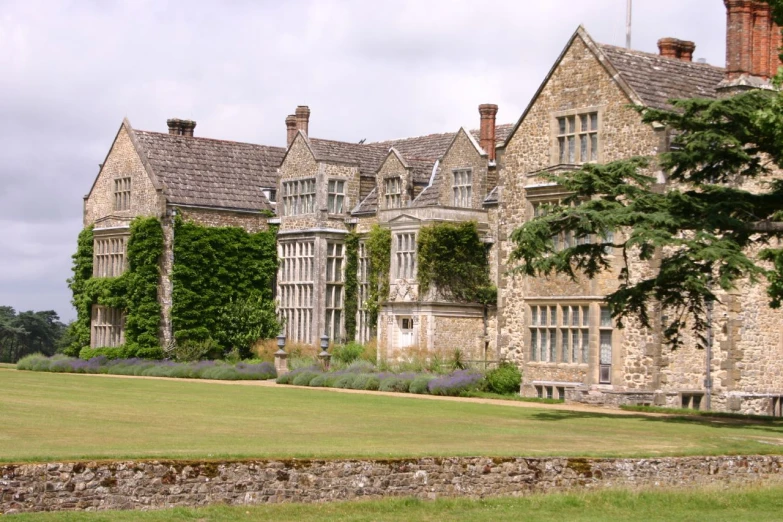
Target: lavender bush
{"x":193,"y":370}
{"x":456,"y":382}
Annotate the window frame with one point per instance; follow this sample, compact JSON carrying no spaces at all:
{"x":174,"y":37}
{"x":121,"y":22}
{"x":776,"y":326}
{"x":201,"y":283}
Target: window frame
{"x":392,"y":199}
{"x":123,"y":187}
{"x":405,"y":249}
{"x":298,"y":196}
{"x":335,"y":200}
{"x":592,"y":135}
{"x":559,"y":332}
{"x":462,"y":187}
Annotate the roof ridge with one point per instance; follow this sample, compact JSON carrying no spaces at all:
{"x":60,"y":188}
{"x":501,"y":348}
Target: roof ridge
{"x":202,"y":138}
{"x":655,"y":55}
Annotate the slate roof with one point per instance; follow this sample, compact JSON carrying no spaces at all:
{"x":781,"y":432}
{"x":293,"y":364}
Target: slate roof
{"x":428,"y":197}
{"x":212,"y":173}
{"x":422,"y":169}
{"x":368,"y":205}
{"x":367,"y":156}
{"x":492,"y":197}
{"x":433,"y":146}
{"x":657,"y":79}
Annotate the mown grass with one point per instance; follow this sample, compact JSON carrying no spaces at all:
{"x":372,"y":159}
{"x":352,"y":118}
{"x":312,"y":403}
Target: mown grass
{"x":49,"y":417}
{"x":757,"y":504}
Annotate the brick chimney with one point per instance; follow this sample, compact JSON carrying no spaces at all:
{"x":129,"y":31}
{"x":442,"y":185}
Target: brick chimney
{"x":290,"y":129}
{"x":488,"y":112}
{"x":752,"y":40}
{"x":677,"y":49}
{"x":303,"y":119}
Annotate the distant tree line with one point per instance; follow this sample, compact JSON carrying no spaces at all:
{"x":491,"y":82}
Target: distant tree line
{"x":29,"y":332}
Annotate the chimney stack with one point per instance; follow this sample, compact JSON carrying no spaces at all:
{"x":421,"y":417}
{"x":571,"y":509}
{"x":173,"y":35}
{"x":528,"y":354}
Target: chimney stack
{"x":303,"y":119}
{"x":179,"y":127}
{"x":290,"y":128}
{"x":488,"y":112}
{"x":677,"y":49}
{"x":752,"y":40}
{"x":174,"y":126}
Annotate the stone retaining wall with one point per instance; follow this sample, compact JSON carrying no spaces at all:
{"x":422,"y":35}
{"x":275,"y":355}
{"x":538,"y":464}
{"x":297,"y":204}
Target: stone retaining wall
{"x":164,"y":484}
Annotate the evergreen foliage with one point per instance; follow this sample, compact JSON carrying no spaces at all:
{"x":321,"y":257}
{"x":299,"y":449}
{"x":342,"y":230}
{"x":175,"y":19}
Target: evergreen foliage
{"x":79,"y":330}
{"x":223,"y":279}
{"x":378,"y":246}
{"x":135,"y":291}
{"x":351,"y":284}
{"x":24,"y":333}
{"x":701,"y":229}
{"x":452,"y":258}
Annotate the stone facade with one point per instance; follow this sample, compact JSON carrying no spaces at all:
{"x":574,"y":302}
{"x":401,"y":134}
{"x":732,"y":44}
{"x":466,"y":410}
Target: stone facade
{"x":149,"y":485}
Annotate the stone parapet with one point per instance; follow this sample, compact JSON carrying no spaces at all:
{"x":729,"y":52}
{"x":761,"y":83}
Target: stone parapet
{"x":164,"y":484}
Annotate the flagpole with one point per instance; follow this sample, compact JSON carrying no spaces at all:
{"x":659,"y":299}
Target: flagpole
{"x":628,"y":25}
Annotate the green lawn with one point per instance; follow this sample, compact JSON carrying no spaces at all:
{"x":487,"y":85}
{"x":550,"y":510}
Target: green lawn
{"x":697,"y":506}
{"x":48,"y":416}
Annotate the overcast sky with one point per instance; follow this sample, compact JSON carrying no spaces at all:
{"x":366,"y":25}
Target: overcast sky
{"x":71,"y":70}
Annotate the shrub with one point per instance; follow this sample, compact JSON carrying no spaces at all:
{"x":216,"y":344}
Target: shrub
{"x":304,"y":378}
{"x":36,"y":362}
{"x":373,"y":383}
{"x":362,"y":380}
{"x":286,"y":378}
{"x":395,"y":384}
{"x":456,"y":383}
{"x":348,"y":353}
{"x":505,"y":379}
{"x":420,"y":383}
{"x":319,"y":381}
{"x":361,"y":367}
{"x":345,"y":380}
{"x":222,"y":372}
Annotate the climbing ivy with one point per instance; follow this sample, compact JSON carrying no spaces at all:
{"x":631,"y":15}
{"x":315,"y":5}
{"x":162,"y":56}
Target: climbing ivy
{"x":135,"y":291}
{"x":216,"y":272}
{"x":79,"y":330}
{"x":141,"y":280}
{"x":452,"y":258}
{"x":351,"y":284}
{"x":378,"y":245}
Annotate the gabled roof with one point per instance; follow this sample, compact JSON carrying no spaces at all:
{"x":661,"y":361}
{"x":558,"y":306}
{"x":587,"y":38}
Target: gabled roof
{"x":369,"y":205}
{"x":433,"y":146}
{"x":211,"y":173}
{"x":648,"y":80}
{"x":367,"y":157}
{"x":656,"y":79}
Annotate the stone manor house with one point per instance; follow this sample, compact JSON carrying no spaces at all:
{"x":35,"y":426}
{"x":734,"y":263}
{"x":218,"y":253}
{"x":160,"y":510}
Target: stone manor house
{"x":555,"y":329}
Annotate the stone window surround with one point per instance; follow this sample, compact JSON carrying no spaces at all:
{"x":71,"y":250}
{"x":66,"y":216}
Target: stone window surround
{"x":363,"y":326}
{"x":567,"y":239}
{"x":109,"y":252}
{"x":336,"y":201}
{"x":392,"y":199}
{"x":296,"y":287}
{"x":462,"y":189}
{"x":560,"y":348}
{"x":122,"y":193}
{"x":595,"y":303}
{"x":555,"y":130}
{"x":404,"y":261}
{"x":107,"y":327}
{"x":295,"y":201}
{"x":335,"y":278}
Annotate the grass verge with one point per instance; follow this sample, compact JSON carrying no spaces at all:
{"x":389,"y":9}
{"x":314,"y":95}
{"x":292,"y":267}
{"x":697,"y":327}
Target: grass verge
{"x":701,"y":413}
{"x":52,"y":416}
{"x":757,"y":504}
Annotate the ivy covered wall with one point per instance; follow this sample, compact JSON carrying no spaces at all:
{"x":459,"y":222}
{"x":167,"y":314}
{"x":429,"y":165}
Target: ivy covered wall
{"x":135,"y":291}
{"x":223,"y":279}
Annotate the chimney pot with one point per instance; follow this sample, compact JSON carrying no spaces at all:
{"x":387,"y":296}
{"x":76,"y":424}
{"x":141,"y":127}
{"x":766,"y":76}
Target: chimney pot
{"x":752,"y":39}
{"x":175,"y":127}
{"x":290,"y":127}
{"x":187,"y":127}
{"x":669,"y":47}
{"x":686,"y":50}
{"x":303,"y":119}
{"x":488,"y":112}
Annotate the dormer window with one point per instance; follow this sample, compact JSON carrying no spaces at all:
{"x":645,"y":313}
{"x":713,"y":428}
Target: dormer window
{"x":336,"y":196}
{"x":392,"y":191}
{"x":122,"y":194}
{"x":463,"y":188}
{"x":577,"y":138}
